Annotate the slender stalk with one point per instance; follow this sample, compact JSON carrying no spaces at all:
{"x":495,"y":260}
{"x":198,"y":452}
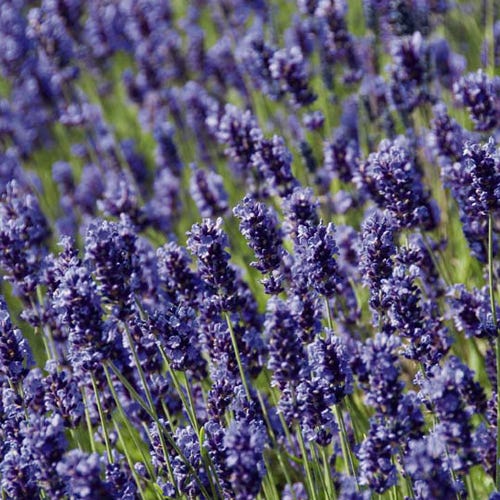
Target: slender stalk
{"x":497,"y":340}
{"x":131,"y":463}
{"x":319,"y":477}
{"x":188,"y":403}
{"x":75,"y":438}
{"x":330,"y":489}
{"x":150,"y":403}
{"x":238,"y":359}
{"x":162,"y":432}
{"x":89,"y":423}
{"x":103,"y":421}
{"x":470,"y":487}
{"x":269,"y":479}
{"x":126,"y":421}
{"x":311,"y":484}
{"x":344,"y":442}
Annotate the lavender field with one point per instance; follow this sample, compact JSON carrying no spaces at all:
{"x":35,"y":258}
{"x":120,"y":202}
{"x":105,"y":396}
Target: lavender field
{"x":249,"y":249}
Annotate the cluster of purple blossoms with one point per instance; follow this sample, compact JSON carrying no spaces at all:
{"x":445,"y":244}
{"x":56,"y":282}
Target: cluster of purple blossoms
{"x":392,"y":178}
{"x":479,"y":94}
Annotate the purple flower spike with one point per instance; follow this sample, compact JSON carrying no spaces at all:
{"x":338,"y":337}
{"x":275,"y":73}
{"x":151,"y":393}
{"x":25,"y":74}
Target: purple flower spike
{"x":244,"y":442}
{"x":477,"y":92}
{"x":259,"y":225}
{"x":392,"y":178}
{"x":15,"y":353}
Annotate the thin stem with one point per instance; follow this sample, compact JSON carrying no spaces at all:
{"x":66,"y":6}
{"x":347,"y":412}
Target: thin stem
{"x":306,"y":464}
{"x":238,"y":358}
{"x":497,"y":340}
{"x":131,"y":463}
{"x":89,"y":423}
{"x":344,"y":442}
{"x":188,"y":403}
{"x":274,"y":441}
{"x":328,"y":475}
{"x":150,"y":402}
{"x":103,"y":421}
{"x":125,"y":419}
{"x":470,"y":487}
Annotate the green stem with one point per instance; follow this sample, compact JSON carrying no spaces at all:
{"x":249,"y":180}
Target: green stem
{"x":188,"y":403}
{"x":497,"y":340}
{"x":89,"y":423}
{"x":103,"y":421}
{"x":344,"y":442}
{"x":312,"y":489}
{"x":330,"y":490}
{"x":131,"y":463}
{"x":150,"y":403}
{"x":126,"y":421}
{"x":238,"y":358}
{"x":470,"y":487}
{"x":274,"y":441}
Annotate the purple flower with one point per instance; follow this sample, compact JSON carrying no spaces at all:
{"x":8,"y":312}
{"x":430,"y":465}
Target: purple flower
{"x":329,"y":361}
{"x":337,"y":44}
{"x":18,"y":480}
{"x":208,"y":242}
{"x":375,"y":459}
{"x":300,"y":209}
{"x":177,"y":332}
{"x":310,"y":404}
{"x":471,"y":311}
{"x":482,"y":163}
{"x":447,"y":137}
{"x":295,"y":492}
{"x":62,"y":394}
{"x":166,"y":154}
{"x":164,"y":205}
{"x":447,"y":389}
{"x":274,"y":161}
{"x":259,"y":225}
{"x":120,"y":196}
{"x":110,"y":253}
{"x":448,"y":65}
{"x":381,"y":368}
{"x":341,"y":155}
{"x":207,"y":190}
{"x":425,"y":464}
{"x":314,"y":120}
{"x":316,"y":250}
{"x":477,"y":92}
{"x":239,"y":132}
{"x":377,"y":252}
{"x":409,"y":73}
{"x":78,"y":306}
{"x":44,"y":444}
{"x":188,"y":443}
{"x":181,"y":283}
{"x":15,"y":353}
{"x":120,"y":480}
{"x":287,"y":357}
{"x":256,"y":55}
{"x":244,"y":442}
{"x":23,"y":233}
{"x":81,"y":475}
{"x":289,"y":68}
{"x":393,"y":180}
